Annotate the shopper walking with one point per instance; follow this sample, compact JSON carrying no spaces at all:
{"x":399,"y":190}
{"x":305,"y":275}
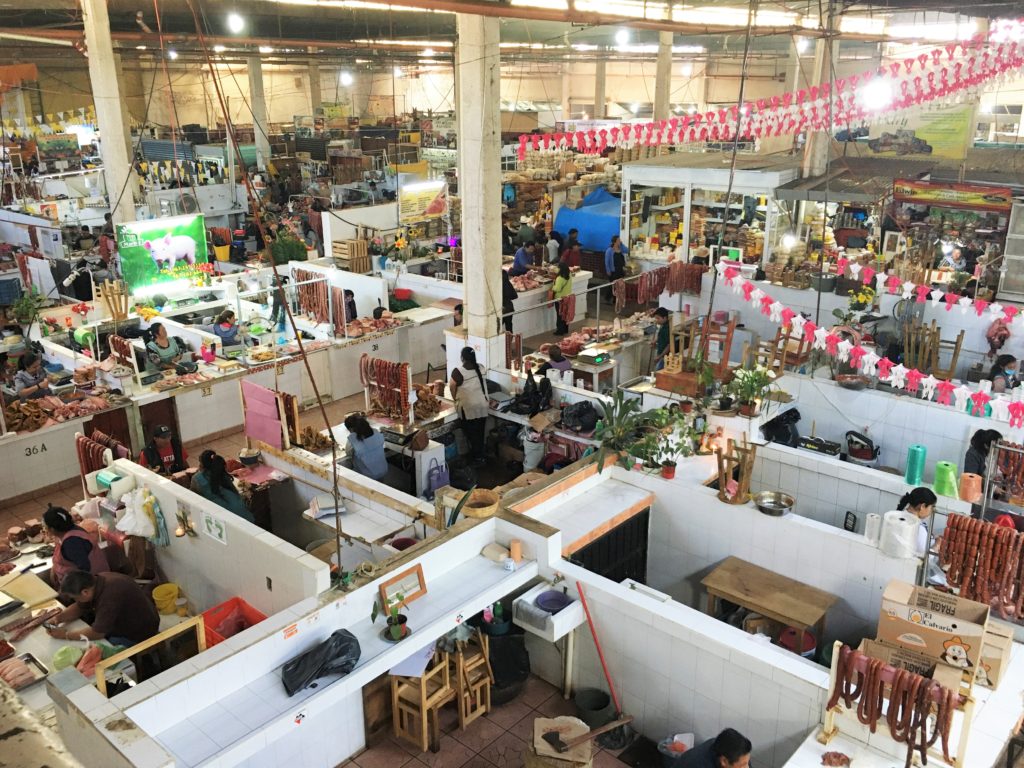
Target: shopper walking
{"x":470,"y":393}
{"x":565,"y":309}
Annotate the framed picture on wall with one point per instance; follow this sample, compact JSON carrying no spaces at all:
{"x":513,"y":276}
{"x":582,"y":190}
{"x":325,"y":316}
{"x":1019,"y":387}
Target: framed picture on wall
{"x":894,"y":243}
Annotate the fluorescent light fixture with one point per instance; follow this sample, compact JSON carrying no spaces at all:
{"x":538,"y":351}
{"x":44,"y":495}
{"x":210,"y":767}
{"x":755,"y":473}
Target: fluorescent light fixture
{"x":33,"y":39}
{"x":266,"y":49}
{"x":859,"y":25}
{"x":802,"y":44}
{"x":140,"y":47}
{"x":235,"y":23}
{"x":622,"y":37}
{"x":428,"y":52}
{"x":172,"y":54}
{"x":876,"y":94}
{"x":634,"y":108}
{"x":940,"y":32}
{"x":167,"y":287}
{"x":219,"y":49}
{"x":422,"y":186}
{"x":345,"y":78}
{"x":398,"y":71}
{"x":686,"y":69}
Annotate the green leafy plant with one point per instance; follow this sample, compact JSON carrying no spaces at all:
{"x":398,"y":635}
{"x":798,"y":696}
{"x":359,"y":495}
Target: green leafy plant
{"x":287,"y":248}
{"x":27,"y":306}
{"x":395,"y":628}
{"x":751,"y":384}
{"x":618,"y":430}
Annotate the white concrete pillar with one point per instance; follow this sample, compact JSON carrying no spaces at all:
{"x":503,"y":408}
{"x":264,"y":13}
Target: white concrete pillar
{"x":599,"y":98}
{"x":663,"y":76}
{"x":815,"y":160}
{"x":258,"y":107}
{"x":315,"y":97}
{"x":478,"y":74}
{"x":566,"y":93}
{"x":106,"y":96}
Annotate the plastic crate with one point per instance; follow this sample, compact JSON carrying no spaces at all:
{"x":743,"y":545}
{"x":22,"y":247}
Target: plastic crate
{"x":10,"y":291}
{"x":213,"y":618}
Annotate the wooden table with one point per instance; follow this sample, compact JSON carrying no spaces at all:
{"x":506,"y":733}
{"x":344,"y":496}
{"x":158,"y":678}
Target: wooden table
{"x":771,"y":594}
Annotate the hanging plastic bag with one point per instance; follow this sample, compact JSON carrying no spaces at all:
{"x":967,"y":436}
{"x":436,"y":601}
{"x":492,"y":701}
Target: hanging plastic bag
{"x":337,"y":655}
{"x":134,"y":521}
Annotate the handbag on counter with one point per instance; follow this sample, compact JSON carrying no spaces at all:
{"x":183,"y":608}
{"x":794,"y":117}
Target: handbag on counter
{"x":437,"y":477}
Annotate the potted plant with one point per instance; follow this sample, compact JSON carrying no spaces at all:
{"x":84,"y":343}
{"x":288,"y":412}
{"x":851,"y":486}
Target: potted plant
{"x":287,"y":248}
{"x":397,"y":623}
{"x":749,"y":386}
{"x":27,"y":307}
{"x":619,"y":429}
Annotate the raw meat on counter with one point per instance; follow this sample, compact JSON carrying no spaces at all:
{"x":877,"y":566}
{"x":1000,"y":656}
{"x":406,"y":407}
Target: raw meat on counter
{"x":16,"y":673}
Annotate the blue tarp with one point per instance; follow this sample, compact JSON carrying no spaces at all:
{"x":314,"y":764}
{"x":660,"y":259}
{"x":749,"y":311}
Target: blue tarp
{"x":597,"y":220}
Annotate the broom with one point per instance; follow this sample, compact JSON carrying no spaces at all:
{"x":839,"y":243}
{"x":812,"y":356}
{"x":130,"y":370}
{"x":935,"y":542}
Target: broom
{"x":620,"y":737}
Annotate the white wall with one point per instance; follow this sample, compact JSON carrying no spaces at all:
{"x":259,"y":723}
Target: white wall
{"x":269,"y":573}
{"x":344,"y":224}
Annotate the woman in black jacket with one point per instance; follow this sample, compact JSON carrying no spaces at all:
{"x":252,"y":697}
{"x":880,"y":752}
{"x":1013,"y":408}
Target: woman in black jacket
{"x":508,"y":295}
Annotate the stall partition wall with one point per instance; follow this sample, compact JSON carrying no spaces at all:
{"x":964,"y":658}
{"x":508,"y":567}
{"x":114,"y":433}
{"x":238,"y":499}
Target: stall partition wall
{"x":345,"y":356}
{"x":238,"y":682}
{"x":826,"y":488}
{"x":691,"y":533}
{"x":344,"y":224}
{"x":891,"y":421}
{"x":677,"y":670}
{"x":426,"y":290}
{"x":370,"y":291}
{"x":245,"y":561}
{"x":33,"y":459}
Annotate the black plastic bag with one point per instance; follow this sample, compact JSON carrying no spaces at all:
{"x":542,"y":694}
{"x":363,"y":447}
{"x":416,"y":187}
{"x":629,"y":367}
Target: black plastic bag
{"x":337,"y":655}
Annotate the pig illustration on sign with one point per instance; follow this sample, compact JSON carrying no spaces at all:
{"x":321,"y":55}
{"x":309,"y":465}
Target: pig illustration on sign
{"x":171,"y":249}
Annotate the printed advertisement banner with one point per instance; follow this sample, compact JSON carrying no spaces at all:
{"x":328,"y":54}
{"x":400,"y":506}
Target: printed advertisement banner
{"x":422,"y":200}
{"x":941,"y":132}
{"x":953,"y":195}
{"x":160,"y":250}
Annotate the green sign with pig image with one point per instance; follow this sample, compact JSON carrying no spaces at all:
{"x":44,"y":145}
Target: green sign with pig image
{"x":161,"y":250}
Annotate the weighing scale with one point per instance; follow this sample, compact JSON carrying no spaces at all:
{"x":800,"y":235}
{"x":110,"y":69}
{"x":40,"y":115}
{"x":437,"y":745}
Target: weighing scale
{"x":588,"y":356}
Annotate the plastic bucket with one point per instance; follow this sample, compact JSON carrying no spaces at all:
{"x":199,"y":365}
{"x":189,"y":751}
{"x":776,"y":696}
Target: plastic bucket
{"x":594,"y":707}
{"x":222,"y":252}
{"x":403,"y":294}
{"x":402,"y":543}
{"x":791,"y":639}
{"x":214,"y":619}
{"x":164,"y":596}
{"x":669,"y":757}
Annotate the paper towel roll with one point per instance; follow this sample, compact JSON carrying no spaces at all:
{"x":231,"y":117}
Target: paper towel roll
{"x":873,"y":528}
{"x":899,"y":534}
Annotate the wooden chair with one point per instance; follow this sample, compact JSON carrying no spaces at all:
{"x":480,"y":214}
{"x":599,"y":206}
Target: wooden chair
{"x":473,"y":678}
{"x":953,"y":348}
{"x":416,"y":701}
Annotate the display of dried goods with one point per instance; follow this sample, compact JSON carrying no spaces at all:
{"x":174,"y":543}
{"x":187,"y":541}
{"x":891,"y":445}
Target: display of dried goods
{"x":685,"y":278}
{"x":314,"y":441}
{"x":31,"y":415}
{"x":427,"y":403}
{"x":914,"y":702}
{"x":313,"y":295}
{"x":388,"y":383}
{"x":983,"y":561}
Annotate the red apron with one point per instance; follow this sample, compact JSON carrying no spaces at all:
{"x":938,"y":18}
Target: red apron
{"x":61,"y":567}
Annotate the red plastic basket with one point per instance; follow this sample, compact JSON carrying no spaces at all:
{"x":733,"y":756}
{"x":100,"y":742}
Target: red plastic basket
{"x":214,"y":617}
{"x":403,"y":294}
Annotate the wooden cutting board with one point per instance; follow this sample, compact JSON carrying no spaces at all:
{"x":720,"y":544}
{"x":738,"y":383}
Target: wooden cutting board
{"x":28,"y":588}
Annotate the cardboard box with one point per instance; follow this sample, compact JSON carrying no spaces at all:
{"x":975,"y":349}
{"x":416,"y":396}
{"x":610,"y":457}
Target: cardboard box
{"x":937,"y":624}
{"x":995,"y":655}
{"x":918,"y":663}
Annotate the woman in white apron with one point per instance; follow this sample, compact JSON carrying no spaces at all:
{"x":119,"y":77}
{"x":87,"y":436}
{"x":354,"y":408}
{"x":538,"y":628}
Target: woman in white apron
{"x":470,"y":393}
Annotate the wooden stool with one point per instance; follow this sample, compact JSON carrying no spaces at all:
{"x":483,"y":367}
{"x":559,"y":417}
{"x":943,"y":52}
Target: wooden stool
{"x":540,"y":754}
{"x":415,"y":702}
{"x":473,"y":678}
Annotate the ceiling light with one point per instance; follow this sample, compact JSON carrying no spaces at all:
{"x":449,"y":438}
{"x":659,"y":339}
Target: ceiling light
{"x":686,"y":69}
{"x":219,"y":49}
{"x":140,"y":47}
{"x":398,"y":71}
{"x":345,"y":79}
{"x":172,"y":54}
{"x":266,"y":49}
{"x":802,"y":44}
{"x":634,"y":108}
{"x":235,"y":23}
{"x":622,"y":37}
{"x":428,"y":52}
{"x":876,"y":94}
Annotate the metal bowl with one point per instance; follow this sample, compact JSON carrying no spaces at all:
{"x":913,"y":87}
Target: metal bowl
{"x":774,"y":503}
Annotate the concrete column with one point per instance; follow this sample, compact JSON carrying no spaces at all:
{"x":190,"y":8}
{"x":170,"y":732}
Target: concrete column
{"x":258,"y":107}
{"x":566,"y":93}
{"x":125,"y":114}
{"x":315,"y":97}
{"x":599,"y":99}
{"x":106,"y":96}
{"x":478,"y":74}
{"x":663,"y":76}
{"x":815,"y":160}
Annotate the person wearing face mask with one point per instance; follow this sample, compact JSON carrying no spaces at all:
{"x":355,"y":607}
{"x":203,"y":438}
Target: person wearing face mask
{"x":1004,"y":373}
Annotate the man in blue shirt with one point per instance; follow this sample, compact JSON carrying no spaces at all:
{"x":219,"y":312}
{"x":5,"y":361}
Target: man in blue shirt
{"x":730,"y":749}
{"x":523,"y":261}
{"x":615,"y":259}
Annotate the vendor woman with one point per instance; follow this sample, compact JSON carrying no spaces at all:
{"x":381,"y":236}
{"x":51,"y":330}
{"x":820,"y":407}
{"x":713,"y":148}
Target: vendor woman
{"x":31,"y":382}
{"x":366,"y":447}
{"x":977,"y":454}
{"x":226,"y":329}
{"x":213,"y":483}
{"x":1004,"y":373}
{"x":74,"y":548}
{"x":163,"y":351}
{"x":921,"y":503}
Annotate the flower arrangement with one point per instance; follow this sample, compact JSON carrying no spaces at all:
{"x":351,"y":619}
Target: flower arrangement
{"x":861,"y":298}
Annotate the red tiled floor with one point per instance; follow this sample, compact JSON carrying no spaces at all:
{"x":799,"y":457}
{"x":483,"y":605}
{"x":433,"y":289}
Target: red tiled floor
{"x":536,"y":692}
{"x":451,"y":755}
{"x":505,"y":752}
{"x":524,"y":728}
{"x":478,"y":734}
{"x":556,"y":706}
{"x":509,"y":714}
{"x":607,"y":760}
{"x":384,"y":754}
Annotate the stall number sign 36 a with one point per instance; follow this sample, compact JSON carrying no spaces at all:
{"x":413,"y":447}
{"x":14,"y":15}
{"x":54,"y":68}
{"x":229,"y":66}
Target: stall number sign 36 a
{"x":215,"y":528}
{"x":35,"y":450}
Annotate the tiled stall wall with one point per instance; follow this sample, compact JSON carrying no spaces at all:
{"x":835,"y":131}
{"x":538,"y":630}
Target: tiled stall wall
{"x":892,"y":422}
{"x":269,"y":572}
{"x":690,"y":534}
{"x":825,"y":489}
{"x":29,"y":460}
{"x":678,"y":671}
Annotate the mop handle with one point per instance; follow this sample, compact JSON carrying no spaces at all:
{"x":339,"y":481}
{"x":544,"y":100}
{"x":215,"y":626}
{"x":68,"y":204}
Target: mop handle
{"x":597,"y":644}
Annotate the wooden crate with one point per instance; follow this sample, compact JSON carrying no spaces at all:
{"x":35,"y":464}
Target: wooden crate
{"x":353,"y":255}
